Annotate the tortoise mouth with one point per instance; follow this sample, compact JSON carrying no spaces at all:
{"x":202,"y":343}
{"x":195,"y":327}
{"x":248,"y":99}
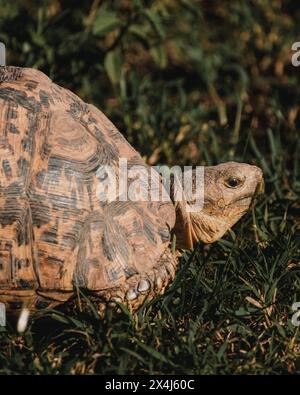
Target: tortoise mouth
{"x":251,"y":198}
{"x":259,"y":191}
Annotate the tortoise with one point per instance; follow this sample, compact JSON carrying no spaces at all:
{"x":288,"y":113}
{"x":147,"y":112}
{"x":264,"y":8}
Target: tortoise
{"x":58,"y":236}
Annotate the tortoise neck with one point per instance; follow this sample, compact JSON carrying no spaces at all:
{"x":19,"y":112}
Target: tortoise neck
{"x":183,"y":225}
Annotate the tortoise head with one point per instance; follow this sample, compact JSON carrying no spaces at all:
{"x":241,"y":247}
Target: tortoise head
{"x":229,"y":190}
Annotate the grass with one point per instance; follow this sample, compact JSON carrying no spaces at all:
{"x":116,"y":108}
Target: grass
{"x":227,"y":312}
{"x":223,"y":90}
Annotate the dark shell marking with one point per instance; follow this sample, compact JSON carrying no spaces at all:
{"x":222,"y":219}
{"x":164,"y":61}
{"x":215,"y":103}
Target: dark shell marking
{"x":55,"y":234}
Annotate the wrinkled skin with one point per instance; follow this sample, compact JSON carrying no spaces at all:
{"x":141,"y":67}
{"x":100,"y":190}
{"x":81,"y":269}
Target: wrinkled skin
{"x":229,"y":189}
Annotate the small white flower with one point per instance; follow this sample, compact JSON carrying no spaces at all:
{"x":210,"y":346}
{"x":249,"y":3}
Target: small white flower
{"x":23,"y":320}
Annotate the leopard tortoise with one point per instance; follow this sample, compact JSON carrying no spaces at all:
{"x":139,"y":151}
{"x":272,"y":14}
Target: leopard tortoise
{"x":58,"y":236}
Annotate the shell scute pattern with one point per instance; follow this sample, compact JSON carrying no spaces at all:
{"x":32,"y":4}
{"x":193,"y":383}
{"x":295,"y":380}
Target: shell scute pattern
{"x":55,"y":234}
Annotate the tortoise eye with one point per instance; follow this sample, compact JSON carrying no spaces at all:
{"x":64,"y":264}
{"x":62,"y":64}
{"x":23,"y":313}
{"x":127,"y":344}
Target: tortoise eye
{"x":233,"y":182}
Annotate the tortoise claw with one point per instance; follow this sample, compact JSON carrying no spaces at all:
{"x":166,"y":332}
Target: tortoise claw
{"x":131,"y":294}
{"x":114,"y":300}
{"x":144,"y":286}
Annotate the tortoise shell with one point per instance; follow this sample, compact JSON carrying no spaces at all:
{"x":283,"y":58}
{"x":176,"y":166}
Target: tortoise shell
{"x":55,"y":233}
